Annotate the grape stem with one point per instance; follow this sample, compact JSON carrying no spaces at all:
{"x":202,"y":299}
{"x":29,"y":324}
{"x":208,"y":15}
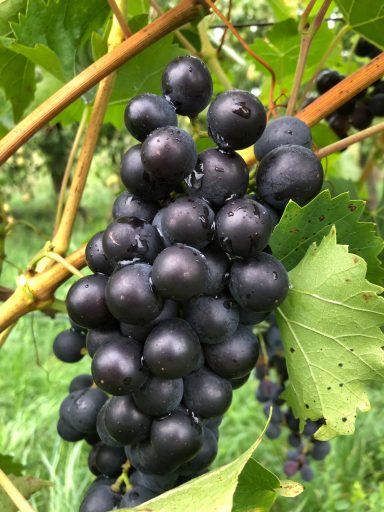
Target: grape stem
{"x":165,"y":24}
{"x":308,"y":32}
{"x":119,"y":14}
{"x":14,"y":494}
{"x":348,"y":141}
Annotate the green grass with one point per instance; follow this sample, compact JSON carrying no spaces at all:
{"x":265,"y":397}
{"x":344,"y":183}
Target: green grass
{"x":33,"y":383}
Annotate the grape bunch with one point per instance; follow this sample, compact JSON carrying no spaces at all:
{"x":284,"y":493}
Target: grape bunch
{"x":271,"y":371}
{"x":180,"y":276}
{"x":360,"y":111}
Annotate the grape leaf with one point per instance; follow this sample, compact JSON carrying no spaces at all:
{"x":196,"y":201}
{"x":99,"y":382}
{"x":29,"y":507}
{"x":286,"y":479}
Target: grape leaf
{"x":8,"y":10}
{"x":9,"y":465}
{"x":27,"y":485}
{"x":50,"y":33}
{"x":330,"y":325}
{"x":240,"y":486}
{"x":17,"y":78}
{"x":366,"y":18}
{"x":300,"y":226}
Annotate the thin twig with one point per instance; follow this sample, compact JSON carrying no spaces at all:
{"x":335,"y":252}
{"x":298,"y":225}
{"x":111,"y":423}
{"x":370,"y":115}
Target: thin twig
{"x":15,"y":495}
{"x":249,"y":50}
{"x":225,"y":29}
{"x":265,"y":23}
{"x":348,"y":141}
{"x":307,"y":35}
{"x":120,"y":18}
{"x":182,"y":39}
{"x":185,"y":11}
{"x":68,"y":168}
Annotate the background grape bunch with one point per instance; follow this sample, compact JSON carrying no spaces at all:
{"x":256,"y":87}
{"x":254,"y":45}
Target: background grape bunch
{"x":180,"y":278}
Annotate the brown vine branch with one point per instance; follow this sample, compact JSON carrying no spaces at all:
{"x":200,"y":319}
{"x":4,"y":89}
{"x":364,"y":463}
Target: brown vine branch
{"x":348,"y":141}
{"x":120,"y":18}
{"x":171,"y":20}
{"x":248,"y":49}
{"x":68,"y":168}
{"x":35,"y":291}
{"x":343,"y":91}
{"x":307,"y":35}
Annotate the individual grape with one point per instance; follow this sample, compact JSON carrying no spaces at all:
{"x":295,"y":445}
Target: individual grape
{"x":282,"y":131}
{"x":136,"y":496}
{"x":207,"y":394}
{"x":187,"y":84}
{"x":147,"y":112}
{"x":238,"y":383}
{"x":85,"y":406}
{"x":69,"y":346}
{"x":277,"y":414}
{"x":130,"y":296}
{"x":292,"y":422}
{"x":249,"y":317}
{"x":213,"y":318}
{"x":125,"y":422}
{"x":218,"y":266}
{"x":306,"y":473}
{"x":243,"y":227}
{"x":189,"y":221}
{"x":100,"y":481}
{"x":310,"y":428}
{"x":362,"y":116}
{"x":172,"y":349}
{"x":364,"y":48}
{"x":157,"y":483}
{"x":98,"y":337}
{"x":235,"y":356}
{"x":204,"y":457}
{"x":131,"y":239}
{"x":376,"y":104}
{"x":128,"y":205}
{"x":169,"y":153}
{"x":158,"y":397}
{"x":79,"y":382}
{"x":339,"y":123}
{"x":218,"y":176}
{"x":268,"y":390}
{"x":95,"y":257}
{"x":78,"y":328}
{"x":320,"y":449}
{"x":179,"y":272}
{"x":101,"y":499}
{"x":289,"y":172}
{"x":291,"y":467}
{"x":178,"y":437}
{"x":67,"y":432}
{"x":260,"y":283}
{"x":145,"y":458}
{"x":117,"y":368}
{"x":236,"y":119}
{"x":141,"y":332}
{"x":107,"y":460}
{"x":273,"y":431}
{"x":294,"y":439}
{"x":102,"y":432}
{"x":327,"y":79}
{"x":138,"y":181}
{"x":86,"y":301}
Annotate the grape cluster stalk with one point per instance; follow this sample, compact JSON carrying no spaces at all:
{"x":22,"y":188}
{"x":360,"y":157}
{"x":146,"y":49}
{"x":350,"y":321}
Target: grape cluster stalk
{"x":180,"y":277}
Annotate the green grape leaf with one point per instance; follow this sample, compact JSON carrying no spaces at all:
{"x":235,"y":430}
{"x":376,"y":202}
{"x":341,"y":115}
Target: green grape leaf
{"x":240,"y":486}
{"x":366,"y":18}
{"x":17,"y":78}
{"x":8,"y":10}
{"x":50,"y":33}
{"x":27,"y":485}
{"x":300,"y":226}
{"x":330,"y":326}
{"x":9,"y":465}
{"x":280,"y":48}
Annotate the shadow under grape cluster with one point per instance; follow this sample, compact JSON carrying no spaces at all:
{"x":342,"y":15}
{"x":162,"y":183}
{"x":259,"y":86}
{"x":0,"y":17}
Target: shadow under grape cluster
{"x":180,"y":277}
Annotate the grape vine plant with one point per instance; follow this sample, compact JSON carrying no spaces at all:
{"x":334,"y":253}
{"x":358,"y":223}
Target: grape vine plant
{"x":237,"y":250}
